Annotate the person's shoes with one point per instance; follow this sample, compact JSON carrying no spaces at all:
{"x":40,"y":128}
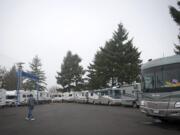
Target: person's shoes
{"x":27,"y":118}
{"x":32,"y":118}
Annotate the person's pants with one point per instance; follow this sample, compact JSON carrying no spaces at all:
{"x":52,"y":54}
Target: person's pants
{"x":30,"y":112}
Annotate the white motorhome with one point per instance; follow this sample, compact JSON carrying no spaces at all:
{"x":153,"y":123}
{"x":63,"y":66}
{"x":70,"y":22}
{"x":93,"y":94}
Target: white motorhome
{"x":11,"y":98}
{"x":57,"y":97}
{"x":161,"y":88}
{"x":47,"y":97}
{"x":68,"y":96}
{"x":14,"y":98}
{"x":131,"y":94}
{"x":93,"y":97}
{"x":110,"y":96}
{"x":41,"y":96}
{"x":2,"y":97}
{"x":81,"y":96}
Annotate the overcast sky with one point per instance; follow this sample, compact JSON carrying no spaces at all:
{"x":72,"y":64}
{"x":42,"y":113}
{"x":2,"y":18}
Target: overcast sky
{"x":49,"y":28}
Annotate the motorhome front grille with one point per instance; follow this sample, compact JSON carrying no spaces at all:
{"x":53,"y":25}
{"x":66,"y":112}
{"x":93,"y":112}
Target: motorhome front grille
{"x":157,"y":105}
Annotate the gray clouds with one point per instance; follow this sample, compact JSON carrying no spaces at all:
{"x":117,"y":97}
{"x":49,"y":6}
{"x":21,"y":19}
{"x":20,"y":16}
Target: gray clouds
{"x":49,"y":28}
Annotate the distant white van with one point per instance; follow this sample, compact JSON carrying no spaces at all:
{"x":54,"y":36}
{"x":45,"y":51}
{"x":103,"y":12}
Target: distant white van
{"x":2,"y":97}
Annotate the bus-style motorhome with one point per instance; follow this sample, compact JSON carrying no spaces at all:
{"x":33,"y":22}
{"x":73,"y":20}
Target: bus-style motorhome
{"x":57,"y":97}
{"x":131,"y":94}
{"x":68,"y":96}
{"x":110,"y":96}
{"x":93,"y":96}
{"x":81,"y":96}
{"x":161,"y":88}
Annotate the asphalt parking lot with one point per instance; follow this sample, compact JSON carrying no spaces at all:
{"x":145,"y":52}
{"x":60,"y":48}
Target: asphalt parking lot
{"x":82,"y":119}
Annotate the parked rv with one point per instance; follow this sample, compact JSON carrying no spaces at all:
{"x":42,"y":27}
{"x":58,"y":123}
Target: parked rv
{"x":68,"y":96}
{"x":2,"y":97}
{"x":161,"y":88}
{"x":57,"y":97}
{"x":110,"y":96}
{"x":131,"y":95}
{"x":93,"y":97}
{"x":14,"y":97}
{"x":41,"y":96}
{"x":81,"y":97}
{"x":11,"y":97}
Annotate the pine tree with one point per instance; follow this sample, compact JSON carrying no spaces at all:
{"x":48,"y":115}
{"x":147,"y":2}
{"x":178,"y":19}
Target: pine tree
{"x":10,"y":79}
{"x":117,"y":62}
{"x":176,"y":16}
{"x":95,"y":81}
{"x":36,"y":69}
{"x":71,"y":75}
{"x":3,"y":72}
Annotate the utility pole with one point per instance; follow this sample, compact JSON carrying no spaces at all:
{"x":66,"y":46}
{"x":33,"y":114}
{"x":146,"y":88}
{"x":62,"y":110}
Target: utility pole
{"x":19,"y":82}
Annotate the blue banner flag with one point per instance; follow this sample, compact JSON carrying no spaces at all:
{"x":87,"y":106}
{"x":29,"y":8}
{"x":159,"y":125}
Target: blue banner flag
{"x":29,"y":75}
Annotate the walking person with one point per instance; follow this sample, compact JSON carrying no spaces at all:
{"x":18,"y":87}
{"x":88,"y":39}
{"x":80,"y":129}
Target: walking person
{"x":30,"y":104}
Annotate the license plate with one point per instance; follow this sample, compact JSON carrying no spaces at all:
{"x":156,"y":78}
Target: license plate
{"x":155,"y":111}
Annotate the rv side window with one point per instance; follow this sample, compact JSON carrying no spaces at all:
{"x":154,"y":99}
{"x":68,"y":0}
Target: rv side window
{"x":24,"y":96}
{"x":91,"y":94}
{"x":70,"y":95}
{"x":124,"y":92}
{"x":106,"y":93}
{"x":135,"y":86}
{"x":117,"y":93}
{"x":111,"y":92}
{"x":10,"y":97}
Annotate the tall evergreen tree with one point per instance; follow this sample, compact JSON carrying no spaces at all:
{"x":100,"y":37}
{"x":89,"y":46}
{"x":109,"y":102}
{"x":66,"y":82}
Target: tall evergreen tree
{"x":96,"y":80}
{"x":176,"y":16}
{"x":117,"y":62}
{"x":3,"y":72}
{"x":36,"y":69}
{"x":10,"y":79}
{"x":71,"y":75}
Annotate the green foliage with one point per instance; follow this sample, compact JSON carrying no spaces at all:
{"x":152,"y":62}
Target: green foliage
{"x":71,"y":75}
{"x":3,"y":72}
{"x":36,"y":69}
{"x":10,"y":79}
{"x":117,"y":62}
{"x":176,"y":16}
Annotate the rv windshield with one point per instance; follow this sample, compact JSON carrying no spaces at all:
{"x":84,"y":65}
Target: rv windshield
{"x":162,"y":78}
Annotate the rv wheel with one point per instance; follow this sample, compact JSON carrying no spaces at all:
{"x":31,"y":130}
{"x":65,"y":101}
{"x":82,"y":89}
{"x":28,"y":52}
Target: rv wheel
{"x":135,"y":105}
{"x":109,"y":103}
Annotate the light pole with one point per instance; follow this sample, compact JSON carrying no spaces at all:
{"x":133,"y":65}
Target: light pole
{"x":19,"y":80}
